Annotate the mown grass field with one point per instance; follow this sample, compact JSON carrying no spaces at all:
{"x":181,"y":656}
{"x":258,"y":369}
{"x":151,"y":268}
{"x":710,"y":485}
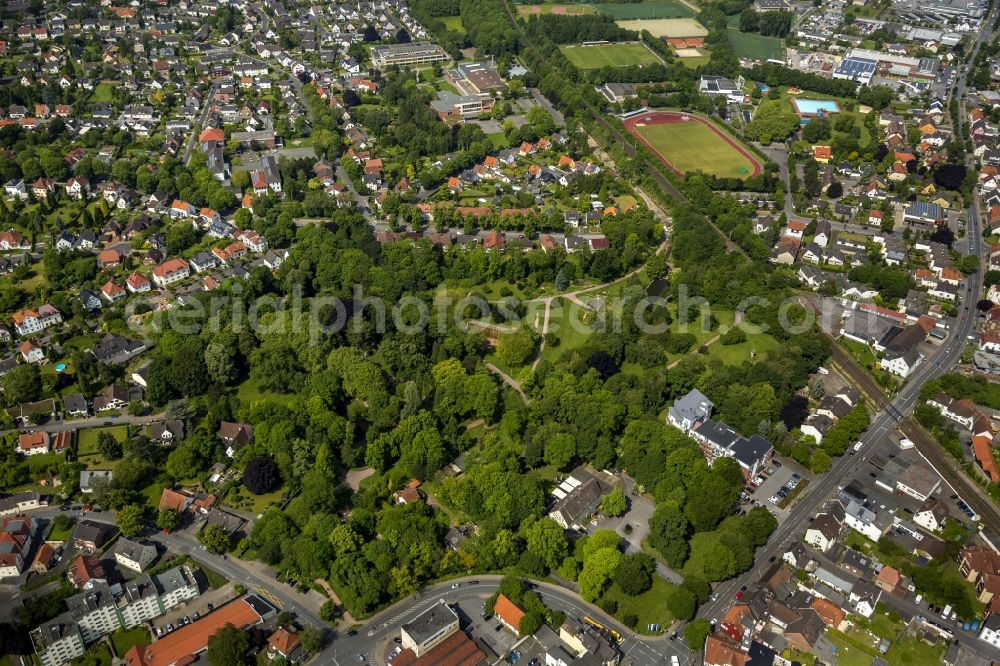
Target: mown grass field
{"x":87,"y":440}
{"x":694,"y":146}
{"x":645,"y":10}
{"x":609,"y":55}
{"x":756,"y":47}
{"x":102,"y":92}
{"x":453,"y":23}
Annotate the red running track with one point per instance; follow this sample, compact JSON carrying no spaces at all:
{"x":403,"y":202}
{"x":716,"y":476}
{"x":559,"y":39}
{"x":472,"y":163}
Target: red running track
{"x":668,"y":117}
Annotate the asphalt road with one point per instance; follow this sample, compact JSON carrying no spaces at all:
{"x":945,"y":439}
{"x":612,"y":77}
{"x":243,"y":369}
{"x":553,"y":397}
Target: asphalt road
{"x":645,"y":651}
{"x":196,"y":130}
{"x":890,"y":414}
{"x":90,"y":422}
{"x":636,"y":651}
{"x":887,"y":419}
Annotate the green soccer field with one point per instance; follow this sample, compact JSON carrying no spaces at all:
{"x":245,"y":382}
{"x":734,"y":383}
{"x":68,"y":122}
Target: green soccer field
{"x":693,"y":146}
{"x":756,"y":47}
{"x":609,"y":55}
{"x":645,"y":10}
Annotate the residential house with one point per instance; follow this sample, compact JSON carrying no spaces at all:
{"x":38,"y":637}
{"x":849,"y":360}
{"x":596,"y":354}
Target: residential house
{"x":822,"y":532}
{"x":167,"y":431}
{"x":235,"y":436}
{"x":134,"y":555}
{"x":88,"y":535}
{"x":170,"y":272}
{"x":508,"y":614}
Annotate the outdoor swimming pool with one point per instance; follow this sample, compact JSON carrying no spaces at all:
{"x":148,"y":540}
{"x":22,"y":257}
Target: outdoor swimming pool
{"x":60,"y":367}
{"x":814,"y":107}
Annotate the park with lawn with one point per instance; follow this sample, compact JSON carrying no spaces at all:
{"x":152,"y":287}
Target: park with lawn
{"x":688,"y":142}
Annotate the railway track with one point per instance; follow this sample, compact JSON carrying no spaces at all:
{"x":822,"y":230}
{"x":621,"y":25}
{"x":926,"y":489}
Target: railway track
{"x":946,"y":465}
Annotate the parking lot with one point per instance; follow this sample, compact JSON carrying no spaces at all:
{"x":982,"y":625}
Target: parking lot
{"x":773,"y":483}
{"x":199,"y":605}
{"x":500,"y":641}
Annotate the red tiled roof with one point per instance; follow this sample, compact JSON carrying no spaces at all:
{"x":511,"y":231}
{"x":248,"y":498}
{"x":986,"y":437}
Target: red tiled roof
{"x":171,"y":499}
{"x":830,"y":612}
{"x":179,"y":646}
{"x":170,"y":266}
{"x":283,"y":641}
{"x":507,"y":610}
{"x":984,"y":456}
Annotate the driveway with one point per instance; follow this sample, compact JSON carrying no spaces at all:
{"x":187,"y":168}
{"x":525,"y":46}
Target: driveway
{"x":640,"y":510}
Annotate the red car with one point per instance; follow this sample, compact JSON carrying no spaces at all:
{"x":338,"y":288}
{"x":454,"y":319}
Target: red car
{"x":739,"y":595}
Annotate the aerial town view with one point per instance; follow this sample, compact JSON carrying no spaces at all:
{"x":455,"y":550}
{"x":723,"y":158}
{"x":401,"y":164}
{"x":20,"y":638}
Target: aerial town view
{"x":496,"y":332}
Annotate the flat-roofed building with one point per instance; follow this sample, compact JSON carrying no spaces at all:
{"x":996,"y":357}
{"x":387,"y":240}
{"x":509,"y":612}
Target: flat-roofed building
{"x":480,"y":78}
{"x":450,"y":104}
{"x":415,"y":53}
{"x":427,"y":630}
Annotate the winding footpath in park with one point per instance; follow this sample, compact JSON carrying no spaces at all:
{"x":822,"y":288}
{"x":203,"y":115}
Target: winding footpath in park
{"x":573,"y":297}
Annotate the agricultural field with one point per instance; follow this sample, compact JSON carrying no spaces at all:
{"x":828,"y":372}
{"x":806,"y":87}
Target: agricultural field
{"x":645,"y":10}
{"x":756,"y":47}
{"x":569,"y":10}
{"x":666,"y":27}
{"x":610,"y":55}
{"x":693,"y":145}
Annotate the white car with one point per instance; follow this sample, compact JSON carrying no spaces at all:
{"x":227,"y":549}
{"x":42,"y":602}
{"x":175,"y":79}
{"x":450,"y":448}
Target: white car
{"x":858,"y":445}
{"x":774,"y":499}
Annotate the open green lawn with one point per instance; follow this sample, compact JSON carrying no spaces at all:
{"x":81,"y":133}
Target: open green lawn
{"x":255,"y":504}
{"x":756,"y":47}
{"x":755,"y":347}
{"x":124,"y":640}
{"x":453,"y":23}
{"x":569,"y":9}
{"x":570,"y":324}
{"x":153,"y":492}
{"x":59,"y":535}
{"x":248,"y":393}
{"x":911,"y":651}
{"x":645,"y":10}
{"x":499,"y":140}
{"x":695,"y":146}
{"x":861,"y":352}
{"x":609,"y":55}
{"x":697,"y":328}
{"x":97,"y":655}
{"x":650,"y":606}
{"x":86,"y":443}
{"x":38,"y":464}
{"x":696,"y":61}
{"x":443,"y":85}
{"x":214,"y":578}
{"x":102,"y":92}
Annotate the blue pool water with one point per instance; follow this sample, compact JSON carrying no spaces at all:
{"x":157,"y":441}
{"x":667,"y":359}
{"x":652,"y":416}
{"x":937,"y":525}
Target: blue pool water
{"x":60,"y":367}
{"x":815,"y":106}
